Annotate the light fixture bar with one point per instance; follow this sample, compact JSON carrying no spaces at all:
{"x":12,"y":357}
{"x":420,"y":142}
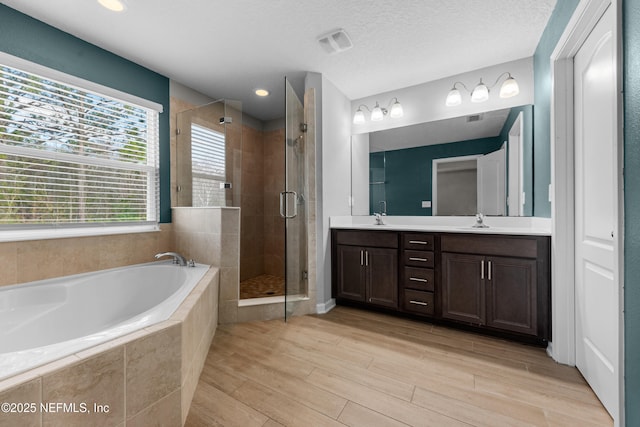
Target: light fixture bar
{"x":394,"y":109}
{"x":480,"y":92}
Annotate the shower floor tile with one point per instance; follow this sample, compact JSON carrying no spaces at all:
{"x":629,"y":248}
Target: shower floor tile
{"x":262,"y":286}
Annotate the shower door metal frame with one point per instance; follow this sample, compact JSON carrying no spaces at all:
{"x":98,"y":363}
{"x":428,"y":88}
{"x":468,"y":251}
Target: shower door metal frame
{"x":293,"y":203}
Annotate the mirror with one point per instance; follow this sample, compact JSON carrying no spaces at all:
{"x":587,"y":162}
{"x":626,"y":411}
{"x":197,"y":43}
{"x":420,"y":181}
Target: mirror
{"x":440,"y":167}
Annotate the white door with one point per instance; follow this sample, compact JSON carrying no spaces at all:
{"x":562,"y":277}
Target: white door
{"x":515,"y":203}
{"x":492,"y":183}
{"x":596,"y":201}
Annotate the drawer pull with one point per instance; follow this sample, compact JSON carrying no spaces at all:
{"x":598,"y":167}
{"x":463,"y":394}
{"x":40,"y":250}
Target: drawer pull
{"x":418,"y":259}
{"x":417,"y":279}
{"x":419,"y":303}
{"x":418,"y":242}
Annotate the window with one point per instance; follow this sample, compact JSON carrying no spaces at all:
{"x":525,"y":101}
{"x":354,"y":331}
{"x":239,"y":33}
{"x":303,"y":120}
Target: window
{"x":208,"y":166}
{"x":74,"y":156}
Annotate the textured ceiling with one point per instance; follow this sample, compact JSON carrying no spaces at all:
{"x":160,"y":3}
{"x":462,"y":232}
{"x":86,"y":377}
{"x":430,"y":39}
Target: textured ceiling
{"x":486,"y":125}
{"x":226,"y":49}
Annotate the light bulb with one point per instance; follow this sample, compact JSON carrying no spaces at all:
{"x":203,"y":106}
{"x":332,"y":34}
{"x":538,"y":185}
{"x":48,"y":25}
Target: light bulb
{"x":454,"y":98}
{"x":480,"y":93}
{"x":396,"y":110}
{"x":509,"y":88}
{"x":377,"y":114}
{"x":358,"y":117}
{"x":113,"y":5}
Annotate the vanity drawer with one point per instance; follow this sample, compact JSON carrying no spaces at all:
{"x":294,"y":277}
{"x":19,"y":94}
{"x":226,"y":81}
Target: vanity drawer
{"x":418,"y":301}
{"x":376,"y":239}
{"x":418,"y":259}
{"x":418,"y":241}
{"x":418,"y":278}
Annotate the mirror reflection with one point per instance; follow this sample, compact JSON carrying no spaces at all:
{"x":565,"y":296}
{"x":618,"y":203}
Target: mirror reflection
{"x":458,"y":166}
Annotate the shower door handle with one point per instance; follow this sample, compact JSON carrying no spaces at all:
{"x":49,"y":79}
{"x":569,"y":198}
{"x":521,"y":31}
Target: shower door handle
{"x":283,"y":209}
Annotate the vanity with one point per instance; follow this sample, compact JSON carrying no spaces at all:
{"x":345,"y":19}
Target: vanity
{"x":493,"y":280}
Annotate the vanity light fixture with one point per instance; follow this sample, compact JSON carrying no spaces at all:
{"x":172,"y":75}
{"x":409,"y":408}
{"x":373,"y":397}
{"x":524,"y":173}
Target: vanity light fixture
{"x":394,"y":109}
{"x":480,"y":93}
{"x":113,"y":5}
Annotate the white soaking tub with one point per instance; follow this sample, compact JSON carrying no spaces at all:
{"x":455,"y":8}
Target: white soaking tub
{"x":46,"y":320}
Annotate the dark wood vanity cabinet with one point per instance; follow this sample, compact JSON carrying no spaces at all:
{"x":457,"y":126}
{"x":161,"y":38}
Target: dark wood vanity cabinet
{"x":417,"y":273}
{"x":497,"y":282}
{"x":366,"y":267}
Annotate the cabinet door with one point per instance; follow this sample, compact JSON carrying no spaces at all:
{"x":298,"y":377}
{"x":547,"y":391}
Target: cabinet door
{"x":463,"y":292}
{"x":511,"y":294}
{"x":351,"y":272}
{"x":382,"y":280}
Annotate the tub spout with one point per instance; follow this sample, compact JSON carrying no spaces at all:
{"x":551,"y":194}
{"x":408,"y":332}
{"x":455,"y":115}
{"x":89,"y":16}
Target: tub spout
{"x":177,"y":258}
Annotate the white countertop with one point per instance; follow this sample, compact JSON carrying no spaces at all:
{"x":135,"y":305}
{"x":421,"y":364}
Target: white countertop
{"x":528,"y":226}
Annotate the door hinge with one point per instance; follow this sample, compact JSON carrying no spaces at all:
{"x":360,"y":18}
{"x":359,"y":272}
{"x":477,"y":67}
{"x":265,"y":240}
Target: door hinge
{"x":303,"y":127}
{"x":305,"y":275}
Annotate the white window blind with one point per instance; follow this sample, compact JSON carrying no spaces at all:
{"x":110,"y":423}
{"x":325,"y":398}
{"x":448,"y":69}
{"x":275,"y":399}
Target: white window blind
{"x":72,"y":156}
{"x":208,"y":166}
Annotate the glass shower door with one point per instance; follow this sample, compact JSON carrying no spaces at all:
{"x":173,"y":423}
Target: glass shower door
{"x":293,"y":203}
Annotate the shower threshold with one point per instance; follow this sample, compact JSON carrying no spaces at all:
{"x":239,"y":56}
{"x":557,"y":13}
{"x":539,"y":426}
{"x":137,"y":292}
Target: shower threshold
{"x":270,"y":300}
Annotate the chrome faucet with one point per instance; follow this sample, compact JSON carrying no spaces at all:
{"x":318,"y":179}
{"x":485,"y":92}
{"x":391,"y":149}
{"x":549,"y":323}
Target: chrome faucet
{"x":383,"y":207}
{"x":379,"y":220}
{"x":480,"y":221}
{"x":177,"y":258}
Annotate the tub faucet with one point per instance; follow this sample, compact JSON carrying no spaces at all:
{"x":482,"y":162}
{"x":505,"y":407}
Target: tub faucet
{"x":177,"y":258}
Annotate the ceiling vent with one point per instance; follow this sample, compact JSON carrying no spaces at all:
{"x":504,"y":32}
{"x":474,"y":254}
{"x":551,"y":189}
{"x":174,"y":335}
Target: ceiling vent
{"x":335,"y":41}
{"x":474,"y":118}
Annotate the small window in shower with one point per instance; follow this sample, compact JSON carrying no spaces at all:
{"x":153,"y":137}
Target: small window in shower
{"x":208,"y":166}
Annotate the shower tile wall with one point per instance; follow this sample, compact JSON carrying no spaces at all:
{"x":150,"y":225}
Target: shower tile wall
{"x":211,"y":236}
{"x":262,"y":237}
{"x":273,"y":185}
{"x":252,"y":207}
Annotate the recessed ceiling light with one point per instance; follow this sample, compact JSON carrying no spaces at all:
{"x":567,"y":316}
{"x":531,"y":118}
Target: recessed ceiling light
{"x":113,"y":5}
{"x":262,"y":92}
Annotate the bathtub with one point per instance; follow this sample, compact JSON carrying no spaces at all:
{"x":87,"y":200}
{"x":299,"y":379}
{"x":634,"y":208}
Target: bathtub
{"x":49,"y":319}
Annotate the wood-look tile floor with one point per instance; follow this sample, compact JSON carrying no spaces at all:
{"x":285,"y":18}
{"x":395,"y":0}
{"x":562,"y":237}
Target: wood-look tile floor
{"x":358,"y":368}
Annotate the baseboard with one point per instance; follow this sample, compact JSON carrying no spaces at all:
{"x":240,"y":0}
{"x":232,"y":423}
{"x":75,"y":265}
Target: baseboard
{"x":326,"y":306}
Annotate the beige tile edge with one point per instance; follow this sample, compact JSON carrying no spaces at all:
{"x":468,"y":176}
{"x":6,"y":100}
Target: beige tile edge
{"x":207,"y":286}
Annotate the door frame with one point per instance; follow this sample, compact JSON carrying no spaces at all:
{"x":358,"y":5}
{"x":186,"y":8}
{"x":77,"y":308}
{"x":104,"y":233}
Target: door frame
{"x":434,"y":176}
{"x":515,"y":144}
{"x":582,"y":22}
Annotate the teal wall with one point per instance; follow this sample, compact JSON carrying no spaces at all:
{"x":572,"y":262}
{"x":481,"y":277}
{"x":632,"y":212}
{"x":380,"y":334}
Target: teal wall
{"x":30,"y":39}
{"x":408,"y":173}
{"x":527,"y":151}
{"x":631,"y":75}
{"x":542,"y":101}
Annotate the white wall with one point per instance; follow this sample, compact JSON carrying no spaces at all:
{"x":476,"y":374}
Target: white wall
{"x":360,"y":174}
{"x":426,"y":102}
{"x":333,"y":172}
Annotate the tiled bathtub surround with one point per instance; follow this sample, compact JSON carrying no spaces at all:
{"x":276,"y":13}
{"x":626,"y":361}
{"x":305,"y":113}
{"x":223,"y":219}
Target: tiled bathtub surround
{"x":212,"y":236}
{"x":145,"y":378}
{"x":26,"y":261}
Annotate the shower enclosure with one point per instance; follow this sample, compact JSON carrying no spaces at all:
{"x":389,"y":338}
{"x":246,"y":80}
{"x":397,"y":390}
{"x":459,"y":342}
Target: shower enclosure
{"x":293,"y":202}
{"x":221,"y":161}
{"x":209,"y":155}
